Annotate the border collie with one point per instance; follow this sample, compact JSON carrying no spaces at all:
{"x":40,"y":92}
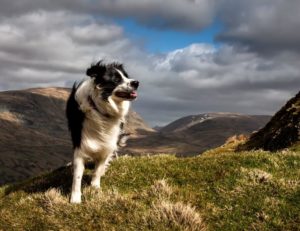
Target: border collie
{"x":96,"y":111}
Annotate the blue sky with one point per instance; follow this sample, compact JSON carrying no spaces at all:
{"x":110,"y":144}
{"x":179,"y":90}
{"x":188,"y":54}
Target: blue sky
{"x":157,"y":40}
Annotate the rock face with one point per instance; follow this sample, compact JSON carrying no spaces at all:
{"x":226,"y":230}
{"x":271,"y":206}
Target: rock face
{"x":281,"y":132}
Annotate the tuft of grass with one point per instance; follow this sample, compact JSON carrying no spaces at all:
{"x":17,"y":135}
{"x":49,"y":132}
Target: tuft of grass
{"x":177,"y":216}
{"x":219,"y":190}
{"x":161,"y":189}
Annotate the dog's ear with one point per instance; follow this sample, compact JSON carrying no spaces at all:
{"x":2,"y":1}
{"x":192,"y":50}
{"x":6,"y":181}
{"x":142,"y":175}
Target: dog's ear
{"x":96,"y":70}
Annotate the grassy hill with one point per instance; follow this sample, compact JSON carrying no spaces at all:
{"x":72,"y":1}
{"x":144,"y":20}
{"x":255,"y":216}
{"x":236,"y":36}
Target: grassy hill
{"x":219,"y":190}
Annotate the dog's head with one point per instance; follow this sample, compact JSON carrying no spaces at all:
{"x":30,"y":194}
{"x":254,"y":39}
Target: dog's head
{"x":112,"y":80}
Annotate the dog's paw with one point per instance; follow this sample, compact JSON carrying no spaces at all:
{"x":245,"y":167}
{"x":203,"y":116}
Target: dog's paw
{"x":95,"y":184}
{"x":75,"y":198}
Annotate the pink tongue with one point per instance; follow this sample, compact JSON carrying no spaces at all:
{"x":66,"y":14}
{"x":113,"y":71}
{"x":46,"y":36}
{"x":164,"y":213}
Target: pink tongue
{"x":133,"y":94}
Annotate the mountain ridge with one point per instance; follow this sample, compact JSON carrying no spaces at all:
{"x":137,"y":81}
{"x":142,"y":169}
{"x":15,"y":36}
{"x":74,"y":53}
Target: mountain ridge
{"x":35,"y":137}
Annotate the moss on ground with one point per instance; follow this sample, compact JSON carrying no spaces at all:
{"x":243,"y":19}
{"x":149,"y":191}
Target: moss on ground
{"x":219,"y":190}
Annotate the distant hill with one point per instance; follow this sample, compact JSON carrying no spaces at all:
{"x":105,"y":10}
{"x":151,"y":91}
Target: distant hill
{"x":33,"y":132}
{"x":34,"y":135}
{"x":194,"y":134}
{"x":282,"y":131}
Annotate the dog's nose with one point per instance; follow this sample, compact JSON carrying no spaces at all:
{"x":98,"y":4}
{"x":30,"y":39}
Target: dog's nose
{"x":134,"y":84}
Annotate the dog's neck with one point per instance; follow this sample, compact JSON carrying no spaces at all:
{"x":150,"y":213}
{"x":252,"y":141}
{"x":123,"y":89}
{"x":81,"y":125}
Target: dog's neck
{"x":110,"y":108}
{"x":94,"y":107}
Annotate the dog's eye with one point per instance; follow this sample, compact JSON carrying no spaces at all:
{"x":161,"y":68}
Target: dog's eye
{"x":117,"y":78}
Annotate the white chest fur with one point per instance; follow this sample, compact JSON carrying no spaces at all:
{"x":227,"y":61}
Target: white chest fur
{"x":99,"y":136}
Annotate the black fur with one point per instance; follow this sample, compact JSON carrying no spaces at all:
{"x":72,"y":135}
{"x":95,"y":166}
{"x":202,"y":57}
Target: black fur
{"x":106,"y":76}
{"x":75,"y":118}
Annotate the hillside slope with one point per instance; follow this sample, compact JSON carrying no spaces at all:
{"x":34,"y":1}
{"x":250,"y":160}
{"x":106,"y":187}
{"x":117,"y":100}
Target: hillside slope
{"x":282,"y":131}
{"x":33,"y":132}
{"x":214,"y":191}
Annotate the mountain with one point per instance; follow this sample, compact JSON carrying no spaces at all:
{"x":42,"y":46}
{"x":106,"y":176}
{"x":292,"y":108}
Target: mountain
{"x":33,"y":132}
{"x":214,"y":121}
{"x":194,"y":134}
{"x":282,"y":131}
{"x":35,"y":138}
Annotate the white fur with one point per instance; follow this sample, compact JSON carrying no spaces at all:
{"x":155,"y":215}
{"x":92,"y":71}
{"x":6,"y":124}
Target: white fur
{"x":99,"y":134}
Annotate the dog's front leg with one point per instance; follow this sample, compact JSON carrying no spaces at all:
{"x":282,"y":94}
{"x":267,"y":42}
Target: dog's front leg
{"x":78,"y":168}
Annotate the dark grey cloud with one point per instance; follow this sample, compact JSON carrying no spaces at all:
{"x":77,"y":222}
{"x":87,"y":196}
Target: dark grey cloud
{"x":187,"y":15}
{"x":168,"y":14}
{"x":266,"y":26}
{"x":15,"y":8}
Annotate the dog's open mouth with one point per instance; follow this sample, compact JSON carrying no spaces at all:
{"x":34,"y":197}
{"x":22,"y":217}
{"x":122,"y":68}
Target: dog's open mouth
{"x":126,"y":95}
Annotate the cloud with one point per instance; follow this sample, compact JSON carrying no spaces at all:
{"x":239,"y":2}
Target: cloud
{"x":186,"y":15}
{"x":51,"y":43}
{"x":45,"y":46}
{"x":201,"y":78}
{"x":265,"y":26}
{"x":169,"y":14}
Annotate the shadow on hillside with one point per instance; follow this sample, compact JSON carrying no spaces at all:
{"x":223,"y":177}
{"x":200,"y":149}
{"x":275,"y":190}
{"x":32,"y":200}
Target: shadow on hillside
{"x":34,"y":137}
{"x":60,"y":178}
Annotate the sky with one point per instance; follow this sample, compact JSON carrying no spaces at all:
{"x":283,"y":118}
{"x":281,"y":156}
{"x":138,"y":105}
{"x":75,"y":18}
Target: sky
{"x":190,"y":56}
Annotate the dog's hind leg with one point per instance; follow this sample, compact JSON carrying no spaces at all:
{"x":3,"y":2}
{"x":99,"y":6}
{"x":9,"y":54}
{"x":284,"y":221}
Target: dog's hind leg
{"x":100,"y":168}
{"x":98,"y":172}
{"x":78,"y":168}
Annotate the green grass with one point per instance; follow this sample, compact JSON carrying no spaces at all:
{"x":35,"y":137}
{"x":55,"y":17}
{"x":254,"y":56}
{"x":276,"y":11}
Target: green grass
{"x":219,"y":190}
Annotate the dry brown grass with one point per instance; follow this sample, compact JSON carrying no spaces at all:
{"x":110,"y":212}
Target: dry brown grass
{"x":256,"y":175}
{"x":10,"y":117}
{"x":51,"y":199}
{"x":59,"y":93}
{"x":161,"y":189}
{"x":178,"y":215}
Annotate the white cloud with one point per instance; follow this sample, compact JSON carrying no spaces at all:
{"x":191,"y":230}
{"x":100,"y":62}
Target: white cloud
{"x":186,"y":57}
{"x":45,"y":46}
{"x":190,"y":81}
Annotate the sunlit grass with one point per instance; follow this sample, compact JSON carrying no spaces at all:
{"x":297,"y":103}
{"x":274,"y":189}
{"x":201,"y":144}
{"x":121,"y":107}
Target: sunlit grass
{"x":219,"y":190}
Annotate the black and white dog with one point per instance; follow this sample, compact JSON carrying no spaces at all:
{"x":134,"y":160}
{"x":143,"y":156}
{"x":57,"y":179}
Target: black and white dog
{"x":96,"y":111}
